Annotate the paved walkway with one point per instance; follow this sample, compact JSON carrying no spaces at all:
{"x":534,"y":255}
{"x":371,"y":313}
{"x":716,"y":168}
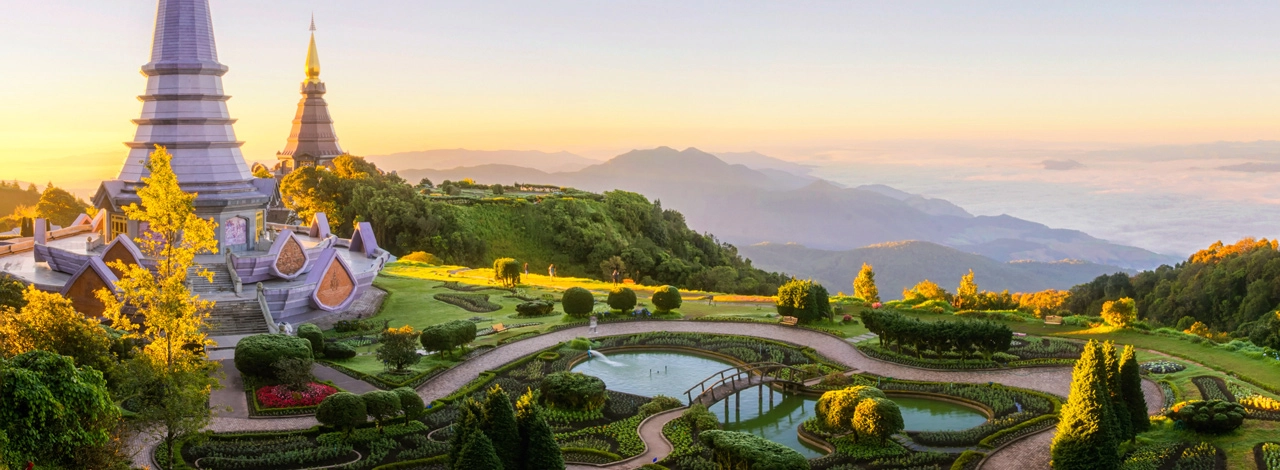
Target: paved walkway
{"x":656,"y":445}
{"x":1056,"y":380}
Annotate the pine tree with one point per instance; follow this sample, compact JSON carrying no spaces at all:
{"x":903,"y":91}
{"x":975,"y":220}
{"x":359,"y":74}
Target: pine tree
{"x":864,"y":286}
{"x":1084,"y":441}
{"x":1119,"y":409}
{"x":536,"y":439}
{"x":500,"y":426}
{"x":477,"y":453}
{"x":468,"y":423}
{"x":1131,"y":384}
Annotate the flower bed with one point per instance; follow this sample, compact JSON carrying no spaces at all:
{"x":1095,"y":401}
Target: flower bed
{"x":280,"y":396}
{"x":1257,"y":406}
{"x":1213,"y":388}
{"x":476,"y":303}
{"x":1162,"y":367}
{"x":1267,"y":455}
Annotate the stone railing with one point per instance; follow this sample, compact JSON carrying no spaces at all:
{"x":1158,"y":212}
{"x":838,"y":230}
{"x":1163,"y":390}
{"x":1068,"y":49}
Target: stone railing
{"x":266,"y":312}
{"x":236,"y":285}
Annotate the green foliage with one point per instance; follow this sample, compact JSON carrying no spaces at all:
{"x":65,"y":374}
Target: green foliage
{"x":659,"y":404}
{"x":572,"y":391}
{"x":339,"y":351}
{"x":536,"y":438}
{"x":741,"y":450}
{"x":877,"y":417}
{"x":577,"y":302}
{"x":864,"y":286}
{"x":836,"y":409}
{"x":410,"y":403}
{"x":805,"y":300}
{"x":499,"y":424}
{"x":535,"y":308}
{"x":1120,"y":313}
{"x":1121,"y":426}
{"x":448,"y":336}
{"x":1212,"y":416}
{"x":1131,"y":389}
{"x":342,"y":410}
{"x":926,"y":290}
{"x":52,"y":412}
{"x":507,"y":271}
{"x":1084,"y":439}
{"x":313,"y":334}
{"x":381,"y":405}
{"x":967,"y":293}
{"x":666,"y":299}
{"x":1270,"y":456}
{"x":11,"y":292}
{"x":398,"y":347}
{"x":478,"y":452}
{"x":293,"y":372}
{"x":257,"y":354}
{"x":60,"y":207}
{"x":963,"y":337}
{"x":622,"y":298}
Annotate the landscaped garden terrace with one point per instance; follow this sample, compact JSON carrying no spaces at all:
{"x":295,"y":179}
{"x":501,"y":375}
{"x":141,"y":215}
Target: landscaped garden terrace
{"x":593,"y":423}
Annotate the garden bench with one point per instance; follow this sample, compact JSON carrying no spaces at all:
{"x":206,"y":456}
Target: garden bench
{"x":498,"y":328}
{"x":789,"y":321}
{"x":1052,"y":320}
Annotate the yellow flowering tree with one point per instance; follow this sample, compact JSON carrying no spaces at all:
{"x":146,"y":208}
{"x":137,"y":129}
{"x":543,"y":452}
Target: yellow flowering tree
{"x":171,"y":378}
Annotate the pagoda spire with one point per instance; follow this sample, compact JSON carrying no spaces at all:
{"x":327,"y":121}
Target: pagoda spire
{"x":313,"y":56}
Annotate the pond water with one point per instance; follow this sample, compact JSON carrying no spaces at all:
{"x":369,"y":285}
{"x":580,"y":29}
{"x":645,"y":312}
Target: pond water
{"x":768,"y":414}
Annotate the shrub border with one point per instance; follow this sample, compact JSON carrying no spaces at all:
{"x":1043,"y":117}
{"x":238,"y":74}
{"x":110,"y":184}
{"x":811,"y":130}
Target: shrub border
{"x":413,"y":382}
{"x":877,"y":353}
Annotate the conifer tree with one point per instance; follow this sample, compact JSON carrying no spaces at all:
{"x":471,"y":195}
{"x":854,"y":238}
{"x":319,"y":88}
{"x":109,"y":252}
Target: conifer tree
{"x":864,"y":286}
{"x":477,"y":453}
{"x":540,"y":448}
{"x":1120,"y":411}
{"x":500,"y":426}
{"x":1131,"y":384}
{"x":468,"y":423}
{"x":1084,"y":440}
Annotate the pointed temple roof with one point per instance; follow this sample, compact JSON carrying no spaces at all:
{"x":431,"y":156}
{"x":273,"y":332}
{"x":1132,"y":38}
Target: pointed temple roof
{"x":312,"y":133}
{"x":185,"y":110}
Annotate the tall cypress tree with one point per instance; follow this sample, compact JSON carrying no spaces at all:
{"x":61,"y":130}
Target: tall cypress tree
{"x":468,"y":423}
{"x":536,"y":439}
{"x":1131,"y":384}
{"x":1084,"y":440}
{"x":477,"y":453}
{"x":500,"y":426}
{"x":1119,"y":408}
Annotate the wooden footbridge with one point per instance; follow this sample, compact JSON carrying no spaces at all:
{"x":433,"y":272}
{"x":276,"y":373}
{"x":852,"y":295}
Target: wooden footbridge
{"x":735,"y":379}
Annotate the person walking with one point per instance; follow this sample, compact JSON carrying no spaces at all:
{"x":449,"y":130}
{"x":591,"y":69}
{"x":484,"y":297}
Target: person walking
{"x":615,"y":276}
{"x":592,"y":324}
{"x":526,"y":269}
{"x":551,"y":270}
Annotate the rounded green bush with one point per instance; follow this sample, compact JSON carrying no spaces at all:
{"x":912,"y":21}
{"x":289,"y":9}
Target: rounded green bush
{"x":622,"y":298}
{"x":343,"y":410}
{"x":339,"y":351}
{"x":743,"y":450}
{"x":667,"y":298}
{"x":659,"y":404}
{"x":578,"y":302}
{"x":535,"y":308}
{"x":256,"y":354}
{"x":549,"y":356}
{"x":381,"y":404}
{"x":572,"y":391}
{"x":410,"y":403}
{"x":313,"y":334}
{"x":1212,"y":416}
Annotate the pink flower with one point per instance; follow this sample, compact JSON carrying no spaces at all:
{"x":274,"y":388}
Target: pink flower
{"x":279,"y":396}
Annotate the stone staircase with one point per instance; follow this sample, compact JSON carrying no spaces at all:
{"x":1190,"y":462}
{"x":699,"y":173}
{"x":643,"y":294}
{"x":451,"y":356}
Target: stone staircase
{"x":221,"y":279}
{"x":237,"y":317}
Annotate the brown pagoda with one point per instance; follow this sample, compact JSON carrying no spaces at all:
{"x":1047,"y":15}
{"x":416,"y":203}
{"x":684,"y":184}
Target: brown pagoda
{"x":313,"y":142}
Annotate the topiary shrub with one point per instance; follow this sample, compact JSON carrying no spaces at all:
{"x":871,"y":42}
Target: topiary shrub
{"x":578,"y":302}
{"x":342,"y":410}
{"x":572,"y":391}
{"x":313,"y":334}
{"x":622,"y":298}
{"x":507,"y":271}
{"x":410,"y":403}
{"x":1212,"y":416}
{"x":256,"y":355}
{"x":666,"y":299}
{"x":742,"y":450}
{"x":535,"y":308}
{"x":339,"y":351}
{"x":836,"y":409}
{"x":659,"y":404}
{"x":877,"y":417}
{"x":381,"y":405}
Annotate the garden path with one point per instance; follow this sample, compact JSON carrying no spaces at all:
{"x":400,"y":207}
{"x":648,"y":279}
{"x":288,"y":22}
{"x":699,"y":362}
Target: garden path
{"x":656,"y":445}
{"x":1056,"y":380}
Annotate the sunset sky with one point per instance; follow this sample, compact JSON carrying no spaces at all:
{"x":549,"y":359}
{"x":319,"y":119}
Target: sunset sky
{"x":598,"y":78}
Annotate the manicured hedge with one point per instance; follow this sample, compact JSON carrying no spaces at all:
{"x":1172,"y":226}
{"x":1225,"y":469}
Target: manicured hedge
{"x":1029,"y":426}
{"x":256,"y":354}
{"x":622,"y":298}
{"x":577,"y":302}
{"x":313,"y":334}
{"x":666,"y":299}
{"x":755,"y":452}
{"x":572,"y":391}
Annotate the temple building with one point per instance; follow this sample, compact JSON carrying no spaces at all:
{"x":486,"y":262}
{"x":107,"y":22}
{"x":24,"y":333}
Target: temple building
{"x":184,"y":110}
{"x":312,"y":142}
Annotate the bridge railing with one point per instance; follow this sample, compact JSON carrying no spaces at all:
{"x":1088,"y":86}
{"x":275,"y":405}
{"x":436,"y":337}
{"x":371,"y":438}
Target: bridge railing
{"x":764,"y":370}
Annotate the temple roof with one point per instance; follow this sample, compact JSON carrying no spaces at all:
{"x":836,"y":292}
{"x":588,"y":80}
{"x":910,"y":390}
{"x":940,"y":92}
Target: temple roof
{"x":313,"y":134}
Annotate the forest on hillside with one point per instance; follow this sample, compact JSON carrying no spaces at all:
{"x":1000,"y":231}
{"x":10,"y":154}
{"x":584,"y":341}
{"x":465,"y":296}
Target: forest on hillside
{"x":55,"y":204}
{"x":582,"y":234}
{"x":1230,"y":288}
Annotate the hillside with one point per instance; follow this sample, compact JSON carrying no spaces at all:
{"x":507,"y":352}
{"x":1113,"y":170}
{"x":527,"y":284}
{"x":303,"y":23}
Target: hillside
{"x":583,"y":234}
{"x":745,"y":206}
{"x":14,"y":194}
{"x":453,"y":158}
{"x":901,"y":265}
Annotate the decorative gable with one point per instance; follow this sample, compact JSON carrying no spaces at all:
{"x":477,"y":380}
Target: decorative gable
{"x":363,"y":241}
{"x":289,"y":257}
{"x":122,"y":249}
{"x":83,"y":287}
{"x":334,"y":280}
{"x":320,"y":226}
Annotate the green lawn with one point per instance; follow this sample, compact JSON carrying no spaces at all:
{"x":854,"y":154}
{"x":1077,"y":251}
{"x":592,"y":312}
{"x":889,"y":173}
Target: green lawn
{"x":1237,"y":444}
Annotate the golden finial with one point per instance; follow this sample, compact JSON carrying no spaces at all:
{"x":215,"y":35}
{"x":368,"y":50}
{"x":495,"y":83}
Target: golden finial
{"x":313,"y":57}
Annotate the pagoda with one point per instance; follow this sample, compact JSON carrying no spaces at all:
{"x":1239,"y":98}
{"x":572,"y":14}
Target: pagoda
{"x":312,"y":142}
{"x":184,"y":110}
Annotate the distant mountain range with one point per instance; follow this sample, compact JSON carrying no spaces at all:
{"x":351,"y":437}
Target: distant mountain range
{"x":744,"y":206}
{"x":900,"y":265}
{"x":453,"y":158}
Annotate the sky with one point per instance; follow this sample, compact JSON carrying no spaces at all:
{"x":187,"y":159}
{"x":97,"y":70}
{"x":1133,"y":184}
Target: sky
{"x":598,"y":78}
